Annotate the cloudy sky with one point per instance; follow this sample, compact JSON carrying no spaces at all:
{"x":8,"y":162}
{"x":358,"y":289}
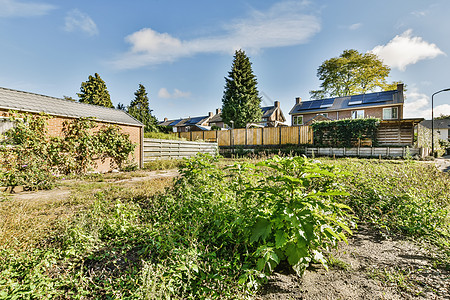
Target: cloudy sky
{"x":182,"y":50}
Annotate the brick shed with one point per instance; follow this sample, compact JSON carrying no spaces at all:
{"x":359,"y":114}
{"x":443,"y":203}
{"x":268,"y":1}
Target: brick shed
{"x":65,"y":110}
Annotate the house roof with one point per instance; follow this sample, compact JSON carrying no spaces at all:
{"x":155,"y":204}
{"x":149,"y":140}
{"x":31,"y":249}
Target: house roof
{"x":185,"y":122}
{"x":35,"y":103}
{"x":267,"y":111}
{"x":216,"y":118}
{"x":441,"y":123}
{"x":349,"y":102}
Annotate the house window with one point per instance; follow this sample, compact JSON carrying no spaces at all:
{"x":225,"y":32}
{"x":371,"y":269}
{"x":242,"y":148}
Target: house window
{"x":297,"y":120}
{"x":390,"y":113}
{"x":358,"y":114}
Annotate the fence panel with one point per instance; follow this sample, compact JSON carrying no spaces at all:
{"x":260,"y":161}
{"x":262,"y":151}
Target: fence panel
{"x":165,"y":149}
{"x":224,"y":137}
{"x":254,"y":136}
{"x":271,"y":136}
{"x":210,"y":136}
{"x":290,"y":135}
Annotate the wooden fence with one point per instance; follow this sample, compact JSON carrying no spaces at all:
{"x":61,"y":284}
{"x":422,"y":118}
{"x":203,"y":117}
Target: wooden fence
{"x":165,"y":149}
{"x":253,"y":136}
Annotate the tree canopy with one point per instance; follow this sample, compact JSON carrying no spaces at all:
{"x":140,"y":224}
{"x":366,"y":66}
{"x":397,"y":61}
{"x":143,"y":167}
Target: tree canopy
{"x":94,"y":91}
{"x":352,"y":73}
{"x":241,"y":101}
{"x":139,"y":109}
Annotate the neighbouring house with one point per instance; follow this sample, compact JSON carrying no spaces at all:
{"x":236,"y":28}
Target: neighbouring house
{"x":189,"y":124}
{"x":65,"y":110}
{"x":272,"y":117}
{"x":387,"y":105}
{"x":441,"y":128}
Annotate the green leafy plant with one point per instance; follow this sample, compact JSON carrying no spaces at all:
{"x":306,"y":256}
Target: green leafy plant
{"x":345,"y":133}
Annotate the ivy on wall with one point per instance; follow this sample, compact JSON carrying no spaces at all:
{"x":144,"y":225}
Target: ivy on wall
{"x":345,"y":133}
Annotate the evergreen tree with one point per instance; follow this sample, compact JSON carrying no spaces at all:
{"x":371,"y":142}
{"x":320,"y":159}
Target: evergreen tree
{"x":121,"y":106}
{"x":241,"y":101}
{"x":94,"y":92}
{"x":139,"y":109}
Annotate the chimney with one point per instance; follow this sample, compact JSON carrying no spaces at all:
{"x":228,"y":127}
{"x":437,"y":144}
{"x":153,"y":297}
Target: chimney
{"x":298,"y":100}
{"x":210,"y":114}
{"x":165,"y":119}
{"x":276,"y":104}
{"x":400,"y":87}
{"x":218,"y":111}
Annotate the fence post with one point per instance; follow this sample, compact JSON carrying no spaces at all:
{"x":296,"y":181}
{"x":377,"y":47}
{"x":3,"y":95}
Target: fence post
{"x":262,"y":136}
{"x":279,"y":136}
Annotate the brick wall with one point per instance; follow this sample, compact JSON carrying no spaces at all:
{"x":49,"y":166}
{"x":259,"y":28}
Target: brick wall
{"x":373,"y":112}
{"x":55,"y":125}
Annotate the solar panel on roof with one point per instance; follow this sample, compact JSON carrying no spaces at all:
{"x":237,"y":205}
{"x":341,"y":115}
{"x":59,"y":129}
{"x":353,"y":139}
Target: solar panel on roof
{"x":315,"y":104}
{"x":174,"y":123}
{"x":328,"y":101}
{"x":305,"y":105}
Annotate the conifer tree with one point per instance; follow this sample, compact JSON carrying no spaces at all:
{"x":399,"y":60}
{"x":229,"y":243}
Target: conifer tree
{"x":94,"y":91}
{"x":241,"y":101}
{"x":139,"y":109}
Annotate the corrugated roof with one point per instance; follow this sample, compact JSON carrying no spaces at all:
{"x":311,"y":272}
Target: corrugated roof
{"x":349,"y":102}
{"x":35,"y":103}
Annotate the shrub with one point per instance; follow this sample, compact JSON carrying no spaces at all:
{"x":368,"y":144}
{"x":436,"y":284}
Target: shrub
{"x":30,"y":157}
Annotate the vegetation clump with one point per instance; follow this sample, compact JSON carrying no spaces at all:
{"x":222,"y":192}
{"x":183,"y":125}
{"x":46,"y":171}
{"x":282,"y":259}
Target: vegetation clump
{"x":346,"y":132}
{"x":30,"y":157}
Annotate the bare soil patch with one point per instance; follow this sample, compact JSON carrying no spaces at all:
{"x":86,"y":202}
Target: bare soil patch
{"x":371,"y":266}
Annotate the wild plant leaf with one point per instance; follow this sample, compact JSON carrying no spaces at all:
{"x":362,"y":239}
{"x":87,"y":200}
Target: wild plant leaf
{"x":281,"y":239}
{"x":308,"y":227}
{"x":331,"y":231}
{"x":295,"y":252}
{"x":262,"y":229}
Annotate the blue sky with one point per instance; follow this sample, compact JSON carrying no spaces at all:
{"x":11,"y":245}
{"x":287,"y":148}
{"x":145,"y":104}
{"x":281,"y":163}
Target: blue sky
{"x":182,"y":50}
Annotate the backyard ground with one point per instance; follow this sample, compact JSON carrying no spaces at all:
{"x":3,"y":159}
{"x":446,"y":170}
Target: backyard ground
{"x":373,"y":265}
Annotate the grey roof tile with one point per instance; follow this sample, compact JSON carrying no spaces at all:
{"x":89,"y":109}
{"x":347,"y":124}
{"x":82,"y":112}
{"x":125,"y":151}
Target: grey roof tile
{"x":30,"y":102}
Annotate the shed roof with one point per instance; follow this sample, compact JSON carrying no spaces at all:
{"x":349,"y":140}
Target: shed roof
{"x":349,"y":102}
{"x":35,"y":103}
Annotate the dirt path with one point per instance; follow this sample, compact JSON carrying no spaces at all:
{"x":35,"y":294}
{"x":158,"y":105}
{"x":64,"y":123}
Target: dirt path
{"x":64,"y":191}
{"x":370,"y":267}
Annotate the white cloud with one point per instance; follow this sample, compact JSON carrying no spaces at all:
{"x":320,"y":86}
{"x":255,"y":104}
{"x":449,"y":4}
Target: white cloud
{"x":164,"y":93}
{"x":406,"y":49}
{"x":283,"y":24}
{"x":79,"y":21}
{"x":355,"y":26}
{"x":418,"y":105}
{"x":14,"y":8}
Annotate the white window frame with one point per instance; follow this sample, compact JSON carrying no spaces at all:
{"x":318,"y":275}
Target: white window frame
{"x":358,"y":114}
{"x":295,"y":120}
{"x":390,"y":111}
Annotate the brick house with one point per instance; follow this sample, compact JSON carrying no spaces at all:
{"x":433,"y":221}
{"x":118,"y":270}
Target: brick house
{"x":65,"y":110}
{"x":387,"y":105}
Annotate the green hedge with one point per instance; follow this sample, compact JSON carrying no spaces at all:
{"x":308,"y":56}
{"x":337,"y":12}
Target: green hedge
{"x":345,"y":133}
